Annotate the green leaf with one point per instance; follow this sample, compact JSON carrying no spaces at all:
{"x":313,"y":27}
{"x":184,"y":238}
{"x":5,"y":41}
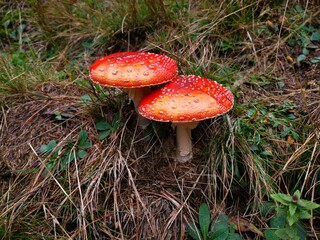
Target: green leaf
{"x":234,"y":236}
{"x":104,"y":134}
{"x":67,"y":158}
{"x":282,"y":234}
{"x":297,"y":194}
{"x":58,"y":116}
{"x":278,"y":221}
{"x":82,"y":138}
{"x":67,"y":115}
{"x":270,"y":234}
{"x":44,"y":148}
{"x":312,"y":46}
{"x":86,"y":144}
{"x":301,"y":232}
{"x":305,"y":51}
{"x":52,"y":145}
{"x":301,"y":58}
{"x":307,"y":204}
{"x":265,"y":208}
{"x":219,"y":229}
{"x":86,"y":99}
{"x":292,"y":219}
{"x":292,"y":232}
{"x":315,"y":36}
{"x":291,"y":116}
{"x":81,"y":153}
{"x":292,"y":208}
{"x":102,"y":124}
{"x":83,"y":141}
{"x":49,"y":166}
{"x":284,"y":199}
{"x":251,"y":112}
{"x":315,"y":60}
{"x":232,"y":227}
{"x":204,"y":219}
{"x":299,"y":9}
{"x":281,"y":210}
{"x":281,"y":84}
{"x":303,"y":214}
{"x":49,"y":147}
{"x":193,"y":231}
{"x":116,"y":121}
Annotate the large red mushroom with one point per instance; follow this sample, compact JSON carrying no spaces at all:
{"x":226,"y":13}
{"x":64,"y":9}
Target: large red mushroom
{"x":184,"y":102}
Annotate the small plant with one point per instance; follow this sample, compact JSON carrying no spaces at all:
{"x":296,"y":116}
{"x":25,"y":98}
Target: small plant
{"x":306,"y":36}
{"x":67,"y":154}
{"x":63,"y":114}
{"x":286,"y":224}
{"x":221,"y":228}
{"x":86,"y":100}
{"x":105,"y":128}
{"x":51,"y":151}
{"x":261,"y":122}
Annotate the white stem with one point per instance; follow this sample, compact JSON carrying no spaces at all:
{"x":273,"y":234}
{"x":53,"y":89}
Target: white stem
{"x":184,"y":141}
{"x":136,"y":94}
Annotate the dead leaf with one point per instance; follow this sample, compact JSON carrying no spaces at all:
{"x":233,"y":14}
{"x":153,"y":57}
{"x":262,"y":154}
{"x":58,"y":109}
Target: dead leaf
{"x":242,"y":225}
{"x":290,"y":139}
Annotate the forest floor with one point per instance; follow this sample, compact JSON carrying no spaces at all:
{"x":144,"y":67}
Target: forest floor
{"x":75,"y":165}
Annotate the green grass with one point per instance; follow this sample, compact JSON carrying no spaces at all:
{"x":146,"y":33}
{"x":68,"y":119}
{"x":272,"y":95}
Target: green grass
{"x":22,"y":72}
{"x":126,"y":185}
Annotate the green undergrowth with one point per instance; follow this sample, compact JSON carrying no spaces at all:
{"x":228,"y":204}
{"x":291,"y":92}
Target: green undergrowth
{"x":21,"y":72}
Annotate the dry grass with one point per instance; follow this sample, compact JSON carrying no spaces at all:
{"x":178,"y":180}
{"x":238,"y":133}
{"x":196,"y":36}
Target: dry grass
{"x":118,"y":190}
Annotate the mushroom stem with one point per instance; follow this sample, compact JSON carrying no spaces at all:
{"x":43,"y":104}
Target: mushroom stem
{"x":136,"y":94}
{"x":184,"y":140}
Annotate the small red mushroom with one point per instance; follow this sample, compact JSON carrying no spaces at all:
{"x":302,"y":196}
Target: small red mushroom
{"x":184,"y":102}
{"x":133,"y":71}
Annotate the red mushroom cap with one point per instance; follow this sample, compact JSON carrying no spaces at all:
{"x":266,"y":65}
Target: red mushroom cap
{"x":187,"y":99}
{"x":133,"y":69}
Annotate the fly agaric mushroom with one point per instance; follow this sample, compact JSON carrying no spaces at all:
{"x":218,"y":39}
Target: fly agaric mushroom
{"x":134,"y":71}
{"x":184,"y":102}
